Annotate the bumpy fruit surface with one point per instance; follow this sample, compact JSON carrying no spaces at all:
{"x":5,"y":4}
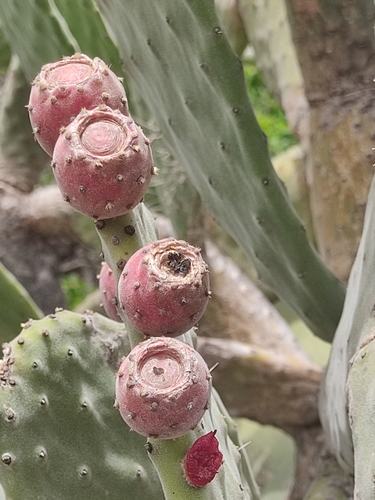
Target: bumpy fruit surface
{"x":103,"y":163}
{"x":203,"y":460}
{"x":163,"y":388}
{"x":108,"y":288}
{"x":63,"y":88}
{"x":164,"y":288}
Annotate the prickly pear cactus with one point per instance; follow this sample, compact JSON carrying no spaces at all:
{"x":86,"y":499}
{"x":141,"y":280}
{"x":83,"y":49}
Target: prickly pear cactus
{"x":207,"y":101}
{"x":361,"y":399}
{"x":197,"y":90}
{"x":16,"y":305}
{"x":60,"y":436}
{"x":120,"y":238}
{"x":351,"y":331}
{"x":124,"y":235}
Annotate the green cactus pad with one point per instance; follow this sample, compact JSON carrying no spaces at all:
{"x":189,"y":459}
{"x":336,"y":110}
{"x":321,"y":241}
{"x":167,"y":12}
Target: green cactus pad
{"x":357,"y":318}
{"x":177,"y":57}
{"x":361,"y":401}
{"x":42,"y":25}
{"x":60,"y":436}
{"x":16,"y":305}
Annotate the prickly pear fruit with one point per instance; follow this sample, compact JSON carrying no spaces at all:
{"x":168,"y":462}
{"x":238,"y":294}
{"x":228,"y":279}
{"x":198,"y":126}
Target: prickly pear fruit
{"x":103,"y":163}
{"x":63,"y":88}
{"x":203,"y":460}
{"x":163,"y":388}
{"x":108,"y":288}
{"x":164,"y":288}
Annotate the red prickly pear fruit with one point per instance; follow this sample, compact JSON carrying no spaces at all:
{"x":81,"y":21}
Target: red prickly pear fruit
{"x":163,"y":388}
{"x":64,"y":87}
{"x":103,"y":163}
{"x":107,"y":288}
{"x":203,"y":460}
{"x":164,"y":288}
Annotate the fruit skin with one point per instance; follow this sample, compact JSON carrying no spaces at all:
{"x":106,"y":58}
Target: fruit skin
{"x":203,"y":460}
{"x":63,"y":88}
{"x":164,"y":288}
{"x":108,"y":288}
{"x":163,"y":388}
{"x":102,"y":163}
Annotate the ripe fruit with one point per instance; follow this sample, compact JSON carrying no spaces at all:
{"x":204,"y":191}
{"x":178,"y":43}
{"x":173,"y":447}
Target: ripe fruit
{"x":63,"y":88}
{"x":103,"y":163}
{"x":203,"y":460}
{"x":164,"y":288}
{"x":163,"y":388}
{"x":107,"y":287}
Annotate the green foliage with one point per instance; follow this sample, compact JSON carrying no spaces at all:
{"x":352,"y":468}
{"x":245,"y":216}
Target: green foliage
{"x":270,"y":116}
{"x":75,"y":289}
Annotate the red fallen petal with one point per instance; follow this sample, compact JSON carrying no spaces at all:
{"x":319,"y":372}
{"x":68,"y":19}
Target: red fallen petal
{"x":203,"y":460}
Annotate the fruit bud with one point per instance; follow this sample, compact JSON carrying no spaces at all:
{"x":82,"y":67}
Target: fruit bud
{"x":163,"y":388}
{"x":103,"y":163}
{"x":65,"y":87}
{"x":107,"y":288}
{"x":164,"y":288}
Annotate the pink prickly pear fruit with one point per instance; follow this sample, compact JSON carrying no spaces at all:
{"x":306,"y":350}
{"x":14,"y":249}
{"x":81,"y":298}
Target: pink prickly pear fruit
{"x":164,"y":288}
{"x":63,"y":88}
{"x":203,"y":460}
{"x":163,"y":388}
{"x":103,"y":163}
{"x":108,"y":288}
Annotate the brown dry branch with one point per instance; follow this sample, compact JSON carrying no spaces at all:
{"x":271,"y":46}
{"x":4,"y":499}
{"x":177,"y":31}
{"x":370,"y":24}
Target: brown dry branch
{"x":240,"y":311}
{"x":261,"y":385}
{"x":38,"y":242}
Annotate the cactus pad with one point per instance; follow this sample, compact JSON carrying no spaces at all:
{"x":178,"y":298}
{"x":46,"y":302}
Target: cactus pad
{"x":61,"y":437}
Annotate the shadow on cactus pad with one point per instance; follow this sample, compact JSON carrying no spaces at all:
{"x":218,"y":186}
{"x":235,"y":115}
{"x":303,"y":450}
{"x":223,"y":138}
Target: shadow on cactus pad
{"x":60,"y":436}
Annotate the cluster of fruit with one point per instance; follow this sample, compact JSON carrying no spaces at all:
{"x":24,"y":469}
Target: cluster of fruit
{"x":103,"y":165}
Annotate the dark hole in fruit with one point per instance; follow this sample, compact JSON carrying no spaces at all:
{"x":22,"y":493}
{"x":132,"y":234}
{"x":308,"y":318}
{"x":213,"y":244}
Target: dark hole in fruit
{"x":158,"y":370}
{"x":178,"y":263}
